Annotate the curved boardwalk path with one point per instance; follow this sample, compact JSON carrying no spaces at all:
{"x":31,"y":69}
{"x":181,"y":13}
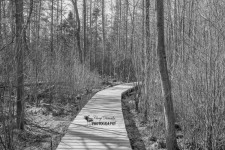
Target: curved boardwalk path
{"x":105,"y":104}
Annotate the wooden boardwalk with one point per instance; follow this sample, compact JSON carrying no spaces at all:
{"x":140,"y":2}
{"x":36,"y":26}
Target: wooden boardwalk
{"x":105,"y":109}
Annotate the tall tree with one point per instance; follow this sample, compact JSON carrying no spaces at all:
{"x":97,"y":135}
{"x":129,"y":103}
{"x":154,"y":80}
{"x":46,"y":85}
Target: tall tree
{"x":103,"y":34}
{"x":52,"y":23}
{"x":95,"y":15}
{"x":119,"y":15}
{"x":20,"y":59}
{"x":57,"y":15}
{"x":37,"y":47}
{"x":90,"y":32}
{"x":84,"y":29}
{"x":52,"y":48}
{"x":126,"y":39}
{"x":171,"y":142}
{"x":146,"y":52}
{"x":77,"y":33}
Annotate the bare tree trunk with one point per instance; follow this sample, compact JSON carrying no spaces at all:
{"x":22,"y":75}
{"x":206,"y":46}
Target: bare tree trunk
{"x":119,"y":3}
{"x":171,"y":142}
{"x":36,"y":56}
{"x":146,"y":56}
{"x":126,"y":45}
{"x":52,"y":50}
{"x":77,"y":33}
{"x":96,"y":35}
{"x":57,"y":11}
{"x":84,"y":26}
{"x":52,"y":15}
{"x":111,"y":49}
{"x":20,"y":53}
{"x":90,"y":29}
{"x":103,"y":34}
{"x":117,"y":35}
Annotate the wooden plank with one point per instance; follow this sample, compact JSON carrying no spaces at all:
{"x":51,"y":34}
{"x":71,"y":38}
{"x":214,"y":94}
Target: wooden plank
{"x":107,"y":131}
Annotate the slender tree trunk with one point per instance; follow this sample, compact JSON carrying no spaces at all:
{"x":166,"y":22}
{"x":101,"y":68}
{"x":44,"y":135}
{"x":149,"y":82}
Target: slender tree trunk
{"x":52,"y":19}
{"x":146,"y":56}
{"x":90,"y":32}
{"x":143,"y":43}
{"x":171,"y":142}
{"x":84,"y":26}
{"x":77,"y":33}
{"x":116,"y":73}
{"x":132,"y":31}
{"x":127,"y":66}
{"x":119,"y":3}
{"x":52,"y":50}
{"x":20,"y":55}
{"x":110,"y":52}
{"x":57,"y":11}
{"x":103,"y":34}
{"x":96,"y":35}
{"x":37,"y":49}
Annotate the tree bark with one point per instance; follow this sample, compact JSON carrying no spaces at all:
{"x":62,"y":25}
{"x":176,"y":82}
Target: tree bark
{"x":52,"y":50}
{"x":146,"y":56}
{"x":171,"y":142}
{"x":90,"y":32}
{"x":78,"y":30}
{"x":84,"y":26}
{"x":52,"y":21}
{"x":103,"y":34}
{"x":57,"y":11}
{"x":96,"y":36}
{"x":20,"y":53}
{"x":36,"y":52}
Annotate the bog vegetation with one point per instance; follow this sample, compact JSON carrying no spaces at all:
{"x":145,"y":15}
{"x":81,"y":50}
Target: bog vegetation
{"x":53,"y":52}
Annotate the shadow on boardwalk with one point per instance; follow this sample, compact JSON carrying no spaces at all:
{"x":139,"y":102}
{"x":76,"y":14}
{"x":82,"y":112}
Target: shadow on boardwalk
{"x":117,"y":140}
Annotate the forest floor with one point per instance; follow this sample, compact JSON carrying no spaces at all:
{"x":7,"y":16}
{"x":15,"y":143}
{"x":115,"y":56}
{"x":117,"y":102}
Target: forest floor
{"x":145,"y":135}
{"x":47,"y":124}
